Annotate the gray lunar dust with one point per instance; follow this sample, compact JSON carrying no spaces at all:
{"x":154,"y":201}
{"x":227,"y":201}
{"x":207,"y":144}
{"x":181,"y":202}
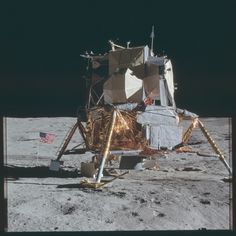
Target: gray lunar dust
{"x":186,"y":193}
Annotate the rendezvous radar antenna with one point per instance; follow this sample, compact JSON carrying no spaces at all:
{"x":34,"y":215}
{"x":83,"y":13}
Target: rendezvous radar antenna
{"x":152,"y":38}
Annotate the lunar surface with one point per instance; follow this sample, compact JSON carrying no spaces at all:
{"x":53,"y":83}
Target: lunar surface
{"x":187,"y":192}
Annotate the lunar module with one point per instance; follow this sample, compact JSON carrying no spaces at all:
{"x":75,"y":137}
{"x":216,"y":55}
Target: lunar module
{"x":131,"y":108}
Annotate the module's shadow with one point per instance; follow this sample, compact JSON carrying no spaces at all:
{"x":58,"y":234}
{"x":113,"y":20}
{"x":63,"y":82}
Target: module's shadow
{"x":38,"y":172}
{"x":70,"y":186}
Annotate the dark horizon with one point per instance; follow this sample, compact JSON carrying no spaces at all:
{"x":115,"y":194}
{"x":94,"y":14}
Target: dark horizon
{"x":41,"y":43}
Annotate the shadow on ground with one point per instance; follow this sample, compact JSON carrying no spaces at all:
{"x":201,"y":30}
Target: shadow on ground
{"x":71,"y":186}
{"x":38,"y":172}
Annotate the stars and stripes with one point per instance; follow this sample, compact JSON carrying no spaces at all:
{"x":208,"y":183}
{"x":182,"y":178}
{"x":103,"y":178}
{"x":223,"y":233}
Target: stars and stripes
{"x":148,"y":101}
{"x":46,"y":137}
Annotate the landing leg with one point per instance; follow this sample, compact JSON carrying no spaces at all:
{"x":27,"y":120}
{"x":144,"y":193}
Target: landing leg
{"x":55,"y":164}
{"x":107,"y":146}
{"x":214,"y":146}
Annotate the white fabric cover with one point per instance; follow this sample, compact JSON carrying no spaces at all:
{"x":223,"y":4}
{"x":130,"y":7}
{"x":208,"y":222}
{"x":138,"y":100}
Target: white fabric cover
{"x":161,"y":125}
{"x":157,"y":115}
{"x":165,"y":136}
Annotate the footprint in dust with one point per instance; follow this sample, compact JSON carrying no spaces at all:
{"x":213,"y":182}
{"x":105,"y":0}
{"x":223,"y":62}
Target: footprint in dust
{"x":152,"y":192}
{"x":134,"y":213}
{"x":141,"y":200}
{"x":161,"y":214}
{"x":124,"y":208}
{"x":205,"y":202}
{"x":119,"y":194}
{"x":68,"y":209}
{"x":109,"y":221}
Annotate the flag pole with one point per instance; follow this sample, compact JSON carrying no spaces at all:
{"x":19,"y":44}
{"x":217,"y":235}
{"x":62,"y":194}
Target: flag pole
{"x":37,"y":154}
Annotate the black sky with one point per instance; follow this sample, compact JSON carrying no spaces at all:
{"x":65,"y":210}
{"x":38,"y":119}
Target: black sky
{"x":41,"y":70}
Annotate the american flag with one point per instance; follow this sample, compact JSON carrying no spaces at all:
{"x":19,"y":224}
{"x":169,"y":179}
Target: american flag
{"x":46,"y":137}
